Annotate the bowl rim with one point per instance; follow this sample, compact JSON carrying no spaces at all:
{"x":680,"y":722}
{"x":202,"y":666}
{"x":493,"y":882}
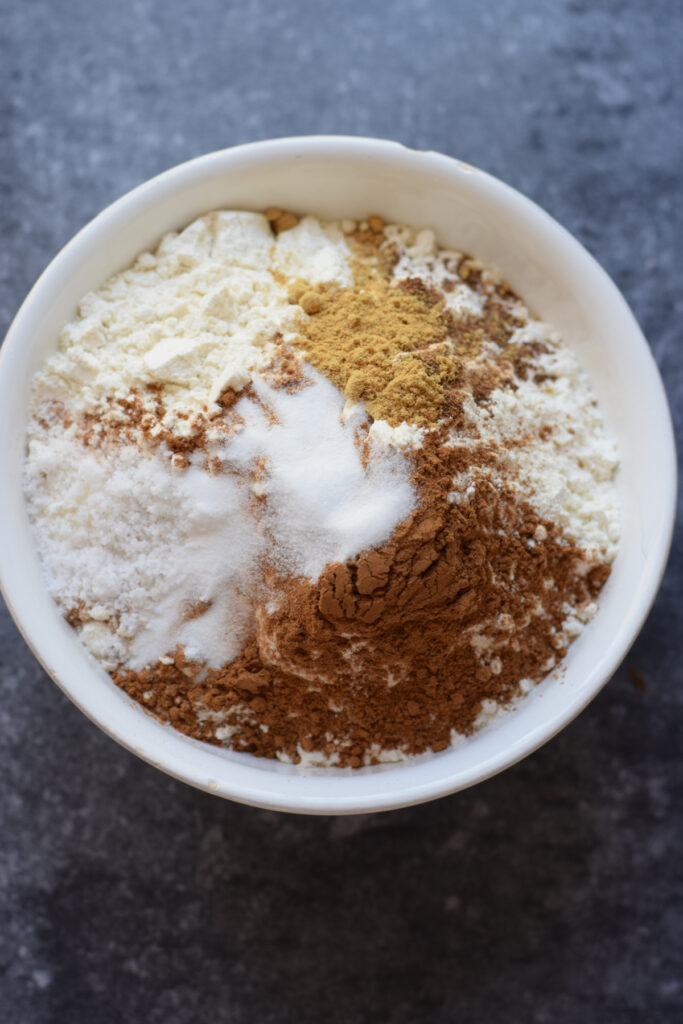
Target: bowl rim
{"x":291,"y":148}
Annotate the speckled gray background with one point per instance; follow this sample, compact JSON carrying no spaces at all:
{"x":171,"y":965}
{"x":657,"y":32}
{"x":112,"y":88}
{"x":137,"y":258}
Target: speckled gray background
{"x":552,"y":893}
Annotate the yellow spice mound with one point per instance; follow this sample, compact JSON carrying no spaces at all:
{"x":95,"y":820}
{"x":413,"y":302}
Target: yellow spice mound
{"x":383,"y":344}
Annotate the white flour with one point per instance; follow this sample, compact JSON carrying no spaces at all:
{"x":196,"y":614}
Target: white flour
{"x":196,"y":316}
{"x":557,"y":455}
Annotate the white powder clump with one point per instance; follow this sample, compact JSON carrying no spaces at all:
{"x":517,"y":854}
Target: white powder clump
{"x":314,"y":251}
{"x":196,"y":316}
{"x":323,"y":506}
{"x":405,"y":435}
{"x":419,"y":256}
{"x":139,"y":545}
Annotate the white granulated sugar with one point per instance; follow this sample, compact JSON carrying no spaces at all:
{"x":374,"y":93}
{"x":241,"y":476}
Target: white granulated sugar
{"x":139,"y":545}
{"x":323,"y":506}
{"x":197,"y":316}
{"x":564,"y":462}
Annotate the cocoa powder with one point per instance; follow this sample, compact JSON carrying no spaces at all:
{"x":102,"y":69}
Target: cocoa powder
{"x":400,"y":646}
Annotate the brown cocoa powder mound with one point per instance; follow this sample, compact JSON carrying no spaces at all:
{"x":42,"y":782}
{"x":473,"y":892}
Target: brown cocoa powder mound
{"x":378,"y":653}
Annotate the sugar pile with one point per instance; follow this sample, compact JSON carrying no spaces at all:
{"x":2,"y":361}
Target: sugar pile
{"x":322,"y":505}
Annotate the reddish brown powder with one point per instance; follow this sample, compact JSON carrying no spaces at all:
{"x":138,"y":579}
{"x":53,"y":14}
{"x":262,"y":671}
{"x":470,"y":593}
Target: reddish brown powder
{"x":379,"y":652}
{"x":139,"y":418}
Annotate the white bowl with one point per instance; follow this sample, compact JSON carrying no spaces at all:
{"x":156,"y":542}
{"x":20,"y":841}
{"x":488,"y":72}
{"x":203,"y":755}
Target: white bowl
{"x":336,"y":177}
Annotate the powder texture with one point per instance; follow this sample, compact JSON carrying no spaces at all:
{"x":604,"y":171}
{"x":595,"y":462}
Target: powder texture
{"x":409,"y":347}
{"x":387,"y":643}
{"x":319,"y":491}
{"x":167,"y":541}
{"x":132,"y":547}
{"x":196,"y":317}
{"x":557,"y":455}
{"x":354,"y":338}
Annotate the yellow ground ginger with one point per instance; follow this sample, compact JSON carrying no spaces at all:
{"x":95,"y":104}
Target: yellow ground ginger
{"x":375,"y":343}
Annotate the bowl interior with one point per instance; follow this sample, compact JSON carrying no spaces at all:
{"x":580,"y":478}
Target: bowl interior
{"x":334,"y":178}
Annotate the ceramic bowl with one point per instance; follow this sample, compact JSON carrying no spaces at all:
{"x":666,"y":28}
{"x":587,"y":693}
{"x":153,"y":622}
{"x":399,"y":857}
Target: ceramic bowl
{"x":336,"y":177}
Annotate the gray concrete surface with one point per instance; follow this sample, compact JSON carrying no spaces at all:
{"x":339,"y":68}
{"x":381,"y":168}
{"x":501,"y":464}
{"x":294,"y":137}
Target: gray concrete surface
{"x":552,"y":893}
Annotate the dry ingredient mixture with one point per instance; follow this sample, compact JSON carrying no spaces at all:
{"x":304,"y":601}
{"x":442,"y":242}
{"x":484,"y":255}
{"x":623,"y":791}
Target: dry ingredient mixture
{"x":322,"y":492}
